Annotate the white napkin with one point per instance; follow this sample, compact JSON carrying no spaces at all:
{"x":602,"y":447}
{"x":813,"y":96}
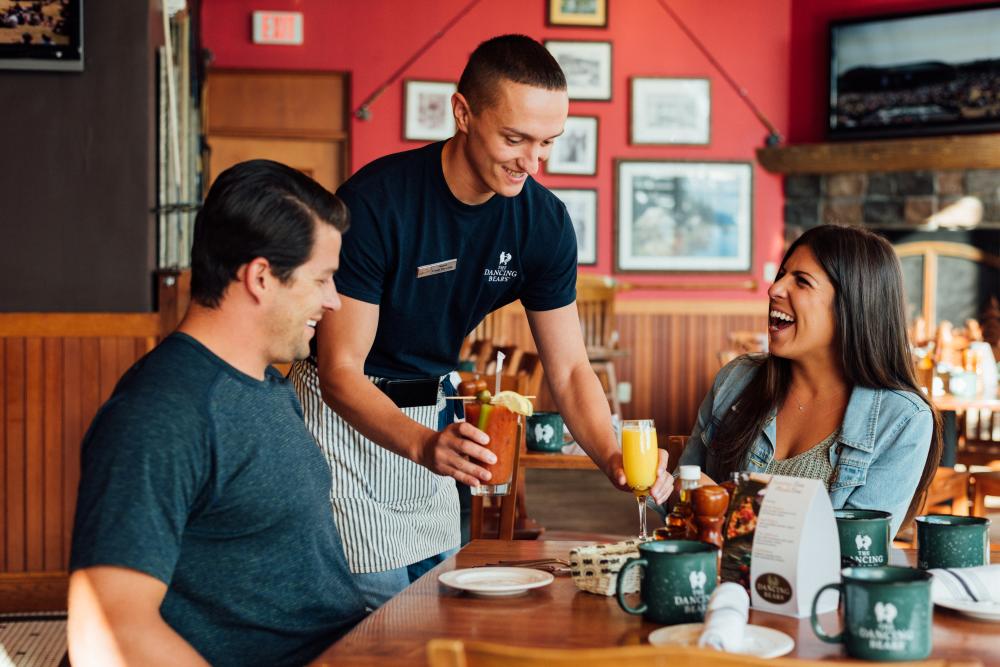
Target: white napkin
{"x":967,"y":584}
{"x":726,"y":618}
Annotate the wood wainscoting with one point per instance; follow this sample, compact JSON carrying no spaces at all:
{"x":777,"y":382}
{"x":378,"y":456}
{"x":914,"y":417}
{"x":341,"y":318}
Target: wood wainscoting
{"x":56,"y":369}
{"x":672,"y":351}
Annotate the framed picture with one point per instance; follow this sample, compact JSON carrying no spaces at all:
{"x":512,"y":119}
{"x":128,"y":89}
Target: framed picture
{"x":670,"y":111}
{"x":587,"y":66}
{"x":41,"y":35}
{"x":427,"y":110}
{"x":575,"y":152}
{"x":581,"y":204}
{"x":579,"y":13}
{"x":683,"y":216}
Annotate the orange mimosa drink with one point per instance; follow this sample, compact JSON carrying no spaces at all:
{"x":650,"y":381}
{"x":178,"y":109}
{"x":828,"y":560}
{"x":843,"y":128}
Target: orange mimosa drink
{"x":639,"y":457}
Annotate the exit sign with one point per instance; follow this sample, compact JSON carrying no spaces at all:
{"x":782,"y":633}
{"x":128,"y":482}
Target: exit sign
{"x":277,"y":27}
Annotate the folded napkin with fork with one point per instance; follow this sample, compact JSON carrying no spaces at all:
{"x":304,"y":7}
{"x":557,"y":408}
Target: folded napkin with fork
{"x":968,"y":584}
{"x":726,"y":618}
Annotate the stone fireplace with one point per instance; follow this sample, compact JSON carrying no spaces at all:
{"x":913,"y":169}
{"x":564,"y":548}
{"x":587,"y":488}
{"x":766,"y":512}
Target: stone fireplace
{"x":954,"y":206}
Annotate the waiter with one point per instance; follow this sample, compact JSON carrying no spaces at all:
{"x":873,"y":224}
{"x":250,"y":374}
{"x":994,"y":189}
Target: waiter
{"x":440,"y":237}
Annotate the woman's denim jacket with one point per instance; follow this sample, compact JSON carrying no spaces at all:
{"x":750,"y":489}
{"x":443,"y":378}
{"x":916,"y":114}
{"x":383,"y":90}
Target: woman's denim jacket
{"x":879,"y":456}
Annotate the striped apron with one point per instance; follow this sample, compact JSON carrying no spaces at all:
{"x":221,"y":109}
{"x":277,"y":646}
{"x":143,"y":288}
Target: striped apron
{"x":390,"y":511}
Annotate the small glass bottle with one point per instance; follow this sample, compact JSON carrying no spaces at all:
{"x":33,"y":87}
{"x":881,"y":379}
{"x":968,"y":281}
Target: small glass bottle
{"x":679,"y":524}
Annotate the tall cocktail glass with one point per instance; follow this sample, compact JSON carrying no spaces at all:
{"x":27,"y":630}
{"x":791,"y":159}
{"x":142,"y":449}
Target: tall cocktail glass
{"x":639,"y":458}
{"x":504,"y":429}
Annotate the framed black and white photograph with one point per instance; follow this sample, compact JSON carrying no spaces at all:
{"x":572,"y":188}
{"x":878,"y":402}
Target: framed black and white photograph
{"x":578,"y":13}
{"x":581,"y":204}
{"x":670,"y":111}
{"x":575,"y":151}
{"x":683,"y":216}
{"x":587,"y":66}
{"x":427,"y":112}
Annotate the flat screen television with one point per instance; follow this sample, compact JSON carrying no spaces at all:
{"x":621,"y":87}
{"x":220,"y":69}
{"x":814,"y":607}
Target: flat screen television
{"x":41,"y":34}
{"x":929,"y":73}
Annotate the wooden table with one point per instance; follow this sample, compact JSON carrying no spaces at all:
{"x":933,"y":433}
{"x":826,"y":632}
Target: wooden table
{"x":950,"y":407}
{"x":560,"y":616}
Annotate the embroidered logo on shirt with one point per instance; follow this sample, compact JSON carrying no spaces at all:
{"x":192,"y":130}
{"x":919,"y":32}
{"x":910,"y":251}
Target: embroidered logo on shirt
{"x":501,"y":274}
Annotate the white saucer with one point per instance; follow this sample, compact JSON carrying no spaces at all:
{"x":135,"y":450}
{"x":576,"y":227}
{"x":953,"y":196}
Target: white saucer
{"x":758,"y":641}
{"x":496,"y":581}
{"x":986,"y":610}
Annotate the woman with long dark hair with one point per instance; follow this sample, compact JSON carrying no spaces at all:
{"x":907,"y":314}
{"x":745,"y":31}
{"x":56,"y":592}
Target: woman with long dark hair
{"x":835,"y":398}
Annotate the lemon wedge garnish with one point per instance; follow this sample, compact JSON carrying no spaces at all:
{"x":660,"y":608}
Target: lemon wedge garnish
{"x":514,"y":402}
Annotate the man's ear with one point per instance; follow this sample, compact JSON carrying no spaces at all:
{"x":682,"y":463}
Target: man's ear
{"x":256,"y":277}
{"x":462,"y":111}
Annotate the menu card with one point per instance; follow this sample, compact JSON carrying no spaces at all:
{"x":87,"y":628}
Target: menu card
{"x":796,"y":550}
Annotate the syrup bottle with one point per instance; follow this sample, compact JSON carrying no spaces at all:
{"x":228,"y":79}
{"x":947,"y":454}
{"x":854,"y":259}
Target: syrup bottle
{"x":679,"y":524}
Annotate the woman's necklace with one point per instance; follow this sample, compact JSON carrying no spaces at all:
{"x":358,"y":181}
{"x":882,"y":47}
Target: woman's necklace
{"x":802,"y":406}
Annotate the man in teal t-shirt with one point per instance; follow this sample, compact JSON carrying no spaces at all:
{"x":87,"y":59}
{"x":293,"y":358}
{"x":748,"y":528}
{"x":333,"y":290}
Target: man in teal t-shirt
{"x":202,"y":530}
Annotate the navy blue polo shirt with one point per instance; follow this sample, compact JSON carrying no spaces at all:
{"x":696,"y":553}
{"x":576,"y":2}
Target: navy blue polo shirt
{"x":405,"y":221}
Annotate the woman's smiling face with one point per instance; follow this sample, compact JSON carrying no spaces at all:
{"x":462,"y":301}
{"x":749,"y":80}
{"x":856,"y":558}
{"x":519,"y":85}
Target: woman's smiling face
{"x":801,"y":318}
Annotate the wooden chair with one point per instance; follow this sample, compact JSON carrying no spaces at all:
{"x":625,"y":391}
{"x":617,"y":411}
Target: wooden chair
{"x":984,"y":484}
{"x":458,"y":653}
{"x":948,"y":493}
{"x":595,"y":303}
{"x":511,"y":362}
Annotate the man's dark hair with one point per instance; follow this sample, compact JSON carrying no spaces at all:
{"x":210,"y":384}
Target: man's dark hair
{"x":258,"y":208}
{"x":515,"y":58}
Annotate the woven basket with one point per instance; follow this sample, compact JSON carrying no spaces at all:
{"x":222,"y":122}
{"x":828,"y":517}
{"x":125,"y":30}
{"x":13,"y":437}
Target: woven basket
{"x":595,"y":568}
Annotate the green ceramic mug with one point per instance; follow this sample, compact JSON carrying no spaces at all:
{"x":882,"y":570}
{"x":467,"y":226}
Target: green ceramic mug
{"x":944,"y":540}
{"x":864,"y":537}
{"x":887,"y":613}
{"x":678,"y":578}
{"x":545,"y":432}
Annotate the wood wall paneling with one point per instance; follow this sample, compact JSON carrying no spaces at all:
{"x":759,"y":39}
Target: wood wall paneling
{"x":672,"y":351}
{"x":51,"y":386}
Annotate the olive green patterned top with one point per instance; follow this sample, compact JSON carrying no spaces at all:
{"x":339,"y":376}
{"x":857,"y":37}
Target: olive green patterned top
{"x":814,"y":463}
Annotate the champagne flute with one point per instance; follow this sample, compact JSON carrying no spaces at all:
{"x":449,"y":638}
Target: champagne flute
{"x":639,"y":458}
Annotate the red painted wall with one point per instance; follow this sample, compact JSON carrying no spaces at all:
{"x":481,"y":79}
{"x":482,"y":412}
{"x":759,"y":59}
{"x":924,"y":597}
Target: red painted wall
{"x":810,"y":55}
{"x":371,"y":38}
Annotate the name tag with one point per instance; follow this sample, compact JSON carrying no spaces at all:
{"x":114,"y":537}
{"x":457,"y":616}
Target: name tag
{"x":436,"y":268}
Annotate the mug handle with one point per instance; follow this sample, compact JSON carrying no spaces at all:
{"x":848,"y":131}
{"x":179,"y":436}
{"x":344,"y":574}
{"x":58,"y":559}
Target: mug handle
{"x":629,"y":564}
{"x":814,"y":619}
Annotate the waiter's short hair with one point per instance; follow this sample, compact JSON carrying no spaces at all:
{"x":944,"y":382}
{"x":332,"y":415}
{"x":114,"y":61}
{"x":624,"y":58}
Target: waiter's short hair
{"x":258,"y":208}
{"x":516,"y":58}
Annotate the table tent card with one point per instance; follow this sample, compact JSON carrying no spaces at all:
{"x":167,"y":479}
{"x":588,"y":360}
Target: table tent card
{"x":796,"y":548}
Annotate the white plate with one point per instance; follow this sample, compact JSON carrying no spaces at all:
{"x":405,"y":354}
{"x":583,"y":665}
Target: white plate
{"x":986,"y":610}
{"x":496,"y":581}
{"x":758,"y":641}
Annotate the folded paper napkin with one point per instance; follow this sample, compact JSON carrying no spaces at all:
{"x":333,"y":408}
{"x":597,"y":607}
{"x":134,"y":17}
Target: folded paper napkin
{"x":969,"y":584}
{"x":726,"y":618}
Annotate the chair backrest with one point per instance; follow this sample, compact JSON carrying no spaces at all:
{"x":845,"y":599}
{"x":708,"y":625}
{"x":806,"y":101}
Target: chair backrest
{"x":530,"y":364}
{"x":456,"y":653}
{"x":595,"y":301}
{"x":512,"y":358}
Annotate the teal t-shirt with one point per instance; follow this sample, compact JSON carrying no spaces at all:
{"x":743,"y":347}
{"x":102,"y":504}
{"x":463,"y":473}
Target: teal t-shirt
{"x":207,"y":479}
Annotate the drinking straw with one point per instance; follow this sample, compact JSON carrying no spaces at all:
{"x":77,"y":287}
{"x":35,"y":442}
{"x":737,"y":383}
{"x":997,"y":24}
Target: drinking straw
{"x":500,"y":357}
